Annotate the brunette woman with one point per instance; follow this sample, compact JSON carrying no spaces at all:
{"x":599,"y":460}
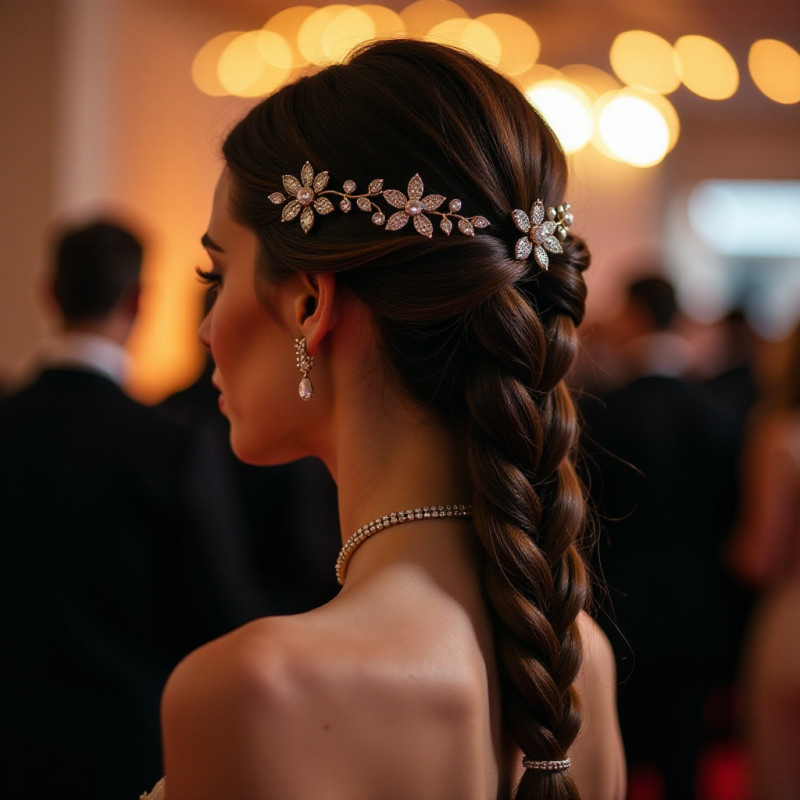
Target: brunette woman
{"x":398,"y":289}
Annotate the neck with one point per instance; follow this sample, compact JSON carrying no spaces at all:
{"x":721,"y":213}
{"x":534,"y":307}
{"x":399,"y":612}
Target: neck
{"x":396,"y":463}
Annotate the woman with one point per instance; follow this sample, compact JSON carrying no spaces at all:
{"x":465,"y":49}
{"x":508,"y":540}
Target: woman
{"x":427,"y":336}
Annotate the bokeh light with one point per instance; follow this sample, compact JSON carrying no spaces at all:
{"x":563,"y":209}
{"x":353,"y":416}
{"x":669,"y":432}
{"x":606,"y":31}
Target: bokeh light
{"x":567,"y":110}
{"x":775,"y":69}
{"x":632,"y":128}
{"x":344,"y":31}
{"x":254,"y":63}
{"x":644,"y":60}
{"x":582,"y":102}
{"x":448,"y":31}
{"x":421,"y":16}
{"x":387,"y":23}
{"x":480,"y":40}
{"x":204,"y":66}
{"x":706,"y":67}
{"x":519,"y":42}
{"x":309,"y":36}
{"x":593,"y":80}
{"x":287,"y":23}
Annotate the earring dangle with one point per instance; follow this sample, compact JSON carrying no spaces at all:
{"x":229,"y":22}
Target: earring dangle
{"x":305,"y":363}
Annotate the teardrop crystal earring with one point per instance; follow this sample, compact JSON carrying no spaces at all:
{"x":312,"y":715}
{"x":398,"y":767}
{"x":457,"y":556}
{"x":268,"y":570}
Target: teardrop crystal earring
{"x":305,"y":363}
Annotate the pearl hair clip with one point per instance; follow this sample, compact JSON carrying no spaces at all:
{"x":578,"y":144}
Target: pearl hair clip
{"x":307,"y":197}
{"x":542,"y":234}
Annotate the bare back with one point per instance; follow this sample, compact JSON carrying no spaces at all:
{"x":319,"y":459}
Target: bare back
{"x":358,"y":699}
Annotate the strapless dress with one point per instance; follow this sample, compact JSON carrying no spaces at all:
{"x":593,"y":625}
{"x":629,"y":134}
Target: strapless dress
{"x":158,"y":792}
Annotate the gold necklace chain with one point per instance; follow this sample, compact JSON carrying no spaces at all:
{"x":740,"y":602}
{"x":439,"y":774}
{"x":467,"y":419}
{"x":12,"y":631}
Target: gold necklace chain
{"x":395,"y":518}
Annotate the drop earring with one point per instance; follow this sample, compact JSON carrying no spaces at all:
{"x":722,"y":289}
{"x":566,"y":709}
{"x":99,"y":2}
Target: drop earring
{"x":305,"y":363}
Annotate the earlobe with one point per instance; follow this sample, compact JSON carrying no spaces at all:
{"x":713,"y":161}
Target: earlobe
{"x":316,"y":311}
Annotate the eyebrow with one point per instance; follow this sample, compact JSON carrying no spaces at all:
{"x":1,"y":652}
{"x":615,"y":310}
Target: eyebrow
{"x":210,"y":244}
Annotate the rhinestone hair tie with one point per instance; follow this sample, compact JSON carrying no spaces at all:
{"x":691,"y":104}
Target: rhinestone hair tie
{"x":547,"y":766}
{"x":542,"y":235}
{"x":309,"y":195}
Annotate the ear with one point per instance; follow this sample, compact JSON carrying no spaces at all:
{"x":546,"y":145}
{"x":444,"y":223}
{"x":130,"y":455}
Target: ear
{"x":315,"y":308}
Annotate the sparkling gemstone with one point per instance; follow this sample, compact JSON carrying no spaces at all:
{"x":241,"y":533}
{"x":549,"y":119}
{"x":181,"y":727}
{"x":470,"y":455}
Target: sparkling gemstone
{"x":455,"y":205}
{"x":305,"y":196}
{"x":349,"y":187}
{"x":413,"y":207}
{"x":305,"y":389}
{"x":378,"y":218}
{"x":345,"y":205}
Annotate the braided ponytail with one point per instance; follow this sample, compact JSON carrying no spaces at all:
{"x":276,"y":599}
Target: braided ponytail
{"x":529,"y":513}
{"x":473,"y":334}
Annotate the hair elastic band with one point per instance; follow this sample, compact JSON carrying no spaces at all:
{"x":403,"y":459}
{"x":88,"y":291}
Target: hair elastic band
{"x":547,"y":766}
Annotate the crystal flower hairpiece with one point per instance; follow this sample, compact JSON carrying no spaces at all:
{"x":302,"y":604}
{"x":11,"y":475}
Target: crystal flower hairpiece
{"x":542,"y":234}
{"x":308,"y":196}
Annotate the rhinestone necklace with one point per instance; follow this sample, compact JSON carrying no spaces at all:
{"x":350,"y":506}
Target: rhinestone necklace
{"x":395,"y":518}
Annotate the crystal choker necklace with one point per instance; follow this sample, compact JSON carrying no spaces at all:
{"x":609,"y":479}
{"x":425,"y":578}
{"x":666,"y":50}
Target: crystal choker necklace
{"x":396,"y":518}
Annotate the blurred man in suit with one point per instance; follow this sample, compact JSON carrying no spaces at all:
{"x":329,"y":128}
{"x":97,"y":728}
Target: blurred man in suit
{"x":112,"y":563}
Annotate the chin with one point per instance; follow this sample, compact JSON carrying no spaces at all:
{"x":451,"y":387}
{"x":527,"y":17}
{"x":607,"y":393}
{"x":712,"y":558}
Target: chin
{"x":251,"y":452}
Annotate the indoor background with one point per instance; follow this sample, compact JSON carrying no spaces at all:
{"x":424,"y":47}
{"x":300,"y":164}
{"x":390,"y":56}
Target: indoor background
{"x":101,"y":112}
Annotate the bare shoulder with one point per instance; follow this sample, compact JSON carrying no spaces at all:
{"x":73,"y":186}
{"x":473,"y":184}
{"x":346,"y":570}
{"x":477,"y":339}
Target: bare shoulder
{"x":599,"y":666}
{"x":597,"y":754}
{"x":289,"y":705}
{"x":213,"y":704}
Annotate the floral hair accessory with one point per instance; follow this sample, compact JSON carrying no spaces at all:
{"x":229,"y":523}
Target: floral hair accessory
{"x":542,"y":234}
{"x":307,"y":196}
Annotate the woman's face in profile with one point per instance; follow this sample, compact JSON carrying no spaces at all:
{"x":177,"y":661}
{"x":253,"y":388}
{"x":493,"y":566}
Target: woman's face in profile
{"x":253,"y":351}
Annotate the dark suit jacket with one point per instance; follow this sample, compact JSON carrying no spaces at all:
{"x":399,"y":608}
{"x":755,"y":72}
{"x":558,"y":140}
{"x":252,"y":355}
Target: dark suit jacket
{"x":112,"y":568}
{"x":661,"y":464}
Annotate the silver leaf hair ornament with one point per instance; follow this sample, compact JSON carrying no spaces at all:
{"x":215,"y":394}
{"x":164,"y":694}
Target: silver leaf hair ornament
{"x":308,"y":196}
{"x":542,"y":235}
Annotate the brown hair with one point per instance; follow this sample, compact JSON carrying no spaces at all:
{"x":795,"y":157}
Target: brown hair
{"x":476,"y":335}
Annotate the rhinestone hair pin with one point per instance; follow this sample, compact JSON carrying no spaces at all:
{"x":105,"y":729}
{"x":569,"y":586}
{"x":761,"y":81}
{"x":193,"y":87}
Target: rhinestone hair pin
{"x":309,"y":195}
{"x":542,"y":235}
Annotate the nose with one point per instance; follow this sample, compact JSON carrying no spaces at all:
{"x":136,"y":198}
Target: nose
{"x":204,"y":331}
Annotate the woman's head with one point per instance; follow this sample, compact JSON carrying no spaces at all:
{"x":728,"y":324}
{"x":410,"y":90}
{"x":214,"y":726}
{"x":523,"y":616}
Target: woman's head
{"x":398,"y":109}
{"x":471,"y":332}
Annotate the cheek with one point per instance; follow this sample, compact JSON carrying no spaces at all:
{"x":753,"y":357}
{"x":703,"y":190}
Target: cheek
{"x":256,"y":361}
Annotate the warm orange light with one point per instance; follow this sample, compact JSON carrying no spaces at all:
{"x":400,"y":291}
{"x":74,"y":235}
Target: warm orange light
{"x":480,"y":40}
{"x":537,"y":73}
{"x":204,"y":65}
{"x":387,"y":23}
{"x":309,"y":36}
{"x":347,"y":29}
{"x":519,"y":42}
{"x":775,"y":69}
{"x":632,"y":128}
{"x":243,"y":69}
{"x":448,"y":31}
{"x":593,"y":80}
{"x":645,"y":60}
{"x":287,"y":23}
{"x":421,"y":16}
{"x":566,"y":109}
{"x":706,"y":67}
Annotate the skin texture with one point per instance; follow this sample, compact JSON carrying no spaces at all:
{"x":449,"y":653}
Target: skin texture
{"x":390,"y":690}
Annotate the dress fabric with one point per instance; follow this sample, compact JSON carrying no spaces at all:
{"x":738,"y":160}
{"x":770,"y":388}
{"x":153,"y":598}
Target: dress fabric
{"x":158,"y":792}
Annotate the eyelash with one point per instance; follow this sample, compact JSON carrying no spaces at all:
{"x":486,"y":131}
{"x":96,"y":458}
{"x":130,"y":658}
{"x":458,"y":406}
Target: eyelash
{"x":208,"y":277}
{"x":213,"y":280}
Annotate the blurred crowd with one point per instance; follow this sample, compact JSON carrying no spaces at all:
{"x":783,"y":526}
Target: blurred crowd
{"x":692,"y":457}
{"x":131,"y":535}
